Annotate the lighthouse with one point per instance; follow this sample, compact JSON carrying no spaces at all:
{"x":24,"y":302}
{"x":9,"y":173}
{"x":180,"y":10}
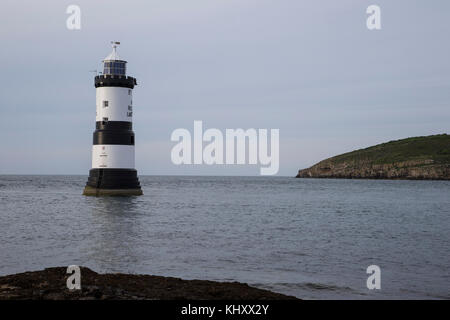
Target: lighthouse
{"x":113,"y":171}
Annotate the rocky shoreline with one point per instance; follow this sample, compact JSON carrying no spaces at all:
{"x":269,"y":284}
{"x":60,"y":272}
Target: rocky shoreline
{"x":50,"y":284}
{"x":407,"y":170}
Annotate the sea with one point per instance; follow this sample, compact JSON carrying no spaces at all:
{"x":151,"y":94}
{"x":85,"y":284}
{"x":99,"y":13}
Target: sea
{"x":310,"y":238}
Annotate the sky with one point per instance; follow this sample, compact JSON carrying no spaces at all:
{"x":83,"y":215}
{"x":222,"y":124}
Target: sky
{"x":309,"y":68}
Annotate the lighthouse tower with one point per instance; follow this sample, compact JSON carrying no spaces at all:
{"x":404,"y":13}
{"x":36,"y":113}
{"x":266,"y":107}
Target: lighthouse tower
{"x":113,"y":171}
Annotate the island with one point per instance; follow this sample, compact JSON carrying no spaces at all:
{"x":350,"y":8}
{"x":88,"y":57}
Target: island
{"x":416,"y":158}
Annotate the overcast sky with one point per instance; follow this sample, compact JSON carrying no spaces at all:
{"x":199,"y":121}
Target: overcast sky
{"x":309,"y":68}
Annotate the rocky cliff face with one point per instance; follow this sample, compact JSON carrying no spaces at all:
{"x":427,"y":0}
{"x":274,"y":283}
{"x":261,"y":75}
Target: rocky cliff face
{"x":416,"y":169}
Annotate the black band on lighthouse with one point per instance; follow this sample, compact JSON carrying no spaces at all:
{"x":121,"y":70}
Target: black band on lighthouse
{"x":113,"y":179}
{"x":115,"y":81}
{"x":114,"y":125}
{"x":113,"y":132}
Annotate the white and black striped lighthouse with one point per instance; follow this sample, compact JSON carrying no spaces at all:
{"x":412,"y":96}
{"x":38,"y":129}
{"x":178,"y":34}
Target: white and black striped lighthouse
{"x":113,"y":171}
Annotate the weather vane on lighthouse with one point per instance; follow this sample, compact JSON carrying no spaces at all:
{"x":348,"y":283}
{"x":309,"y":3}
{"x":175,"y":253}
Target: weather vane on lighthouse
{"x":113,"y":171}
{"x":114,"y":45}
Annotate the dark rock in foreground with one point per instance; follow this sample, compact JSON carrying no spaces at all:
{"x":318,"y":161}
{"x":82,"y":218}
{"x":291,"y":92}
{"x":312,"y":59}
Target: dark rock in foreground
{"x":51,"y":284}
{"x":419,"y":158}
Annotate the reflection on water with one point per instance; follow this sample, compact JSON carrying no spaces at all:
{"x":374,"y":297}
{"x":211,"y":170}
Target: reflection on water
{"x":117,"y":232}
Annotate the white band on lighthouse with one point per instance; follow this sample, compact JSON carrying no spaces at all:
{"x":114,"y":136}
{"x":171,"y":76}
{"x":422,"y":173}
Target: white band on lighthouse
{"x":114,"y":104}
{"x":112,"y":156}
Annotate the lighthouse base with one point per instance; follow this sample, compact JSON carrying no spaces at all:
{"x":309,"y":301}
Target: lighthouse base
{"x":112,"y":182}
{"x":96,"y":192}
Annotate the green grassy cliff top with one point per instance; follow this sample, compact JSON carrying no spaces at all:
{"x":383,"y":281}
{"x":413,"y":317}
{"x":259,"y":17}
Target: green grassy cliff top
{"x":436,"y":147}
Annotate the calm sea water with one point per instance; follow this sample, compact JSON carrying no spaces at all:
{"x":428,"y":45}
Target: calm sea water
{"x":303,"y":237}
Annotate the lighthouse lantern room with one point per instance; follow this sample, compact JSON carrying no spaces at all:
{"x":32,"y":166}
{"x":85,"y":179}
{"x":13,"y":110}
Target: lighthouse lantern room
{"x":113,"y":171}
